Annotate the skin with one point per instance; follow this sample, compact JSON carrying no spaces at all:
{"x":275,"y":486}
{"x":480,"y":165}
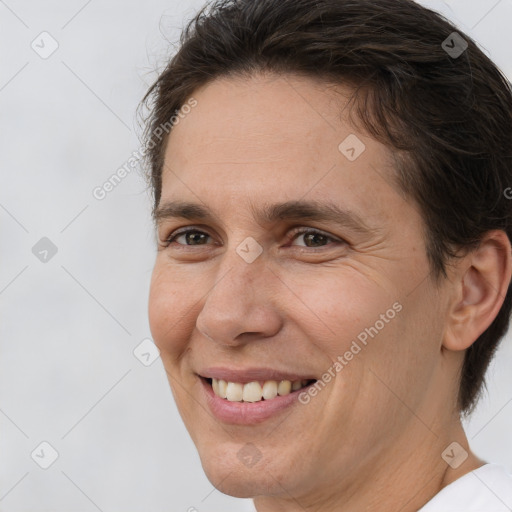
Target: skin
{"x":372,"y":438}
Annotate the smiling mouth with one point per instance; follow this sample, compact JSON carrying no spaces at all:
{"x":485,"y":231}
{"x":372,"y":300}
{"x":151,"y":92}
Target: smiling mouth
{"x":256,"y":391}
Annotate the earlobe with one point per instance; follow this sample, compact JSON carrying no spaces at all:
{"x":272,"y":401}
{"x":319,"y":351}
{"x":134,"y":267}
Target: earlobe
{"x":481,"y":283}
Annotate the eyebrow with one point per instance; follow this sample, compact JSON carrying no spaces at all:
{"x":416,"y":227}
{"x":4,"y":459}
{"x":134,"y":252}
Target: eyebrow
{"x":270,"y":213}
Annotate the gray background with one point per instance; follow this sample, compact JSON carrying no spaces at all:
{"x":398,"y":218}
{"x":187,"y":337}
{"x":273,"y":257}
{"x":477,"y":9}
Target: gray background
{"x":68,"y":326}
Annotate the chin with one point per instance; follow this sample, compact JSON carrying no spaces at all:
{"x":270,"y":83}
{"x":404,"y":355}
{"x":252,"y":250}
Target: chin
{"x":225,"y":468}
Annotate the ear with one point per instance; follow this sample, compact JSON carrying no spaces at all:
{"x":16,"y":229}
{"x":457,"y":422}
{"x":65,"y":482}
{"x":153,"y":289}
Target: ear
{"x":480,"y":284}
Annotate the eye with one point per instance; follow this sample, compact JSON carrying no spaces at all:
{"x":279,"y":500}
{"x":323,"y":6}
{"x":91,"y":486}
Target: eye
{"x":191,"y":236}
{"x":313,"y":238}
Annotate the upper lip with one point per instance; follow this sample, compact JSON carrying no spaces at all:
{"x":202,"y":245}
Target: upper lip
{"x":251,"y":374}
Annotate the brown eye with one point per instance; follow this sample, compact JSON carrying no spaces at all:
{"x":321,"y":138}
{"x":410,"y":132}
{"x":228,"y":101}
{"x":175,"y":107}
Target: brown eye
{"x":190,"y":237}
{"x":313,"y":238}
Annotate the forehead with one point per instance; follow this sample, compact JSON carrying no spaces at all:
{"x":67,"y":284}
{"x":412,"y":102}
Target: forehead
{"x":261,"y":116}
{"x":275,"y":137}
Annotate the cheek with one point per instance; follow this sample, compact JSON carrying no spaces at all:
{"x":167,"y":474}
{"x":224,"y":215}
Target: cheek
{"x":363,"y":324}
{"x":398,"y":362}
{"x":170,"y":303}
{"x":337,"y":305}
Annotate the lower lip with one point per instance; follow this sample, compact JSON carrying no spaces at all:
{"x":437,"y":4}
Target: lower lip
{"x":247,"y":413}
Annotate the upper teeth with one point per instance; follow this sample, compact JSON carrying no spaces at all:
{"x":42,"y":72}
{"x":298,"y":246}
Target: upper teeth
{"x":254,"y":391}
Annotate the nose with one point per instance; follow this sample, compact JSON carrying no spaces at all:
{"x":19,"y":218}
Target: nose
{"x":240,"y":307}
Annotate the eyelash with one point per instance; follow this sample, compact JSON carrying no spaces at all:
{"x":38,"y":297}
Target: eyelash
{"x":295,"y":233}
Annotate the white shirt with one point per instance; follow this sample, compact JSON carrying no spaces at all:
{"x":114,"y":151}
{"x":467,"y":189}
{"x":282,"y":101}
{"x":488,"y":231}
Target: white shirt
{"x":486,"y":489}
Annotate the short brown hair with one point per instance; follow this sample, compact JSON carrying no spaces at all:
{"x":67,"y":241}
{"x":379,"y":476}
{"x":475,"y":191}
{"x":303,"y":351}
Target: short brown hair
{"x":447,"y":117}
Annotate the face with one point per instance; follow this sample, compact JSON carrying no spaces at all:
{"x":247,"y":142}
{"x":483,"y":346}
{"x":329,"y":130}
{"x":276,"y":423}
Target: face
{"x":330,"y":290}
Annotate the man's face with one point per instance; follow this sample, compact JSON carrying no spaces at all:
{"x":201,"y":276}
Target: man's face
{"x":255,"y":299}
